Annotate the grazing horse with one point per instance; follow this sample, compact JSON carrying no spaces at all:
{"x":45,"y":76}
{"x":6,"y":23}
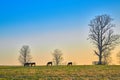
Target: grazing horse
{"x":69,"y":64}
{"x":29,"y":64}
{"x":26,"y":64}
{"x":49,"y":64}
{"x":33,"y":64}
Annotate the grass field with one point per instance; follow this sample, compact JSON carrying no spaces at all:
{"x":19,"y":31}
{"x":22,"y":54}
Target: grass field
{"x":83,"y":72}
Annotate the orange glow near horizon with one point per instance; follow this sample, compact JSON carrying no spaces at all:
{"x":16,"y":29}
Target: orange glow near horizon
{"x":79,"y":55}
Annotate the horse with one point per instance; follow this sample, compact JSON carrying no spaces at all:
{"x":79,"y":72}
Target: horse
{"x":26,"y":64}
{"x":69,"y":64}
{"x":49,"y":64}
{"x":33,"y":64}
{"x":29,"y":64}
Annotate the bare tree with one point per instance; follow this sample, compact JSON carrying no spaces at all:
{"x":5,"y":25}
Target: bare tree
{"x":101,"y":35}
{"x":57,"y":56}
{"x":107,"y":57}
{"x":25,"y":56}
{"x":118,"y":57}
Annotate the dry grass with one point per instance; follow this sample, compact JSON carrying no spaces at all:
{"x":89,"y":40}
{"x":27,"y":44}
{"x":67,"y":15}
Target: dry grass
{"x":85,"y":72}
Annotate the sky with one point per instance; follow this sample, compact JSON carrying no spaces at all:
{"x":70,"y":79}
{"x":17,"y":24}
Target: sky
{"x":46,"y":25}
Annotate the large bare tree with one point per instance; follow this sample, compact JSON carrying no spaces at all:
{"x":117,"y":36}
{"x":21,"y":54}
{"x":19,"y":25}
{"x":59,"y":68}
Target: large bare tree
{"x":101,"y":35}
{"x":25,"y":54}
{"x":57,"y":56}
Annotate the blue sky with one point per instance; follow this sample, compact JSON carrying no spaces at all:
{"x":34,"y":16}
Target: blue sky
{"x":58,"y":14}
{"x":51,"y":24}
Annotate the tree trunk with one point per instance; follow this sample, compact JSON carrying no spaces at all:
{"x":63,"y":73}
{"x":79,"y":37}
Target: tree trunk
{"x":100,"y":60}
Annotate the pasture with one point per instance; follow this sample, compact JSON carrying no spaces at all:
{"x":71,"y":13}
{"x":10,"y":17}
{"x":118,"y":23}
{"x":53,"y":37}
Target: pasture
{"x":80,"y":72}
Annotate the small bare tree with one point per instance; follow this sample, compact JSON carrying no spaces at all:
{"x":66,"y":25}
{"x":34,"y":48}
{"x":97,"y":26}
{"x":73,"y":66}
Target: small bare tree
{"x":57,"y":56}
{"x":25,"y":56}
{"x":118,"y":57}
{"x":101,"y":35}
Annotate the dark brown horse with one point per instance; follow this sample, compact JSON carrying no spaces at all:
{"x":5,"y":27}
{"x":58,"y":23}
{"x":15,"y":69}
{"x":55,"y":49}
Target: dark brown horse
{"x":33,"y":64}
{"x":49,"y":64}
{"x":69,"y":64}
{"x":29,"y":64}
